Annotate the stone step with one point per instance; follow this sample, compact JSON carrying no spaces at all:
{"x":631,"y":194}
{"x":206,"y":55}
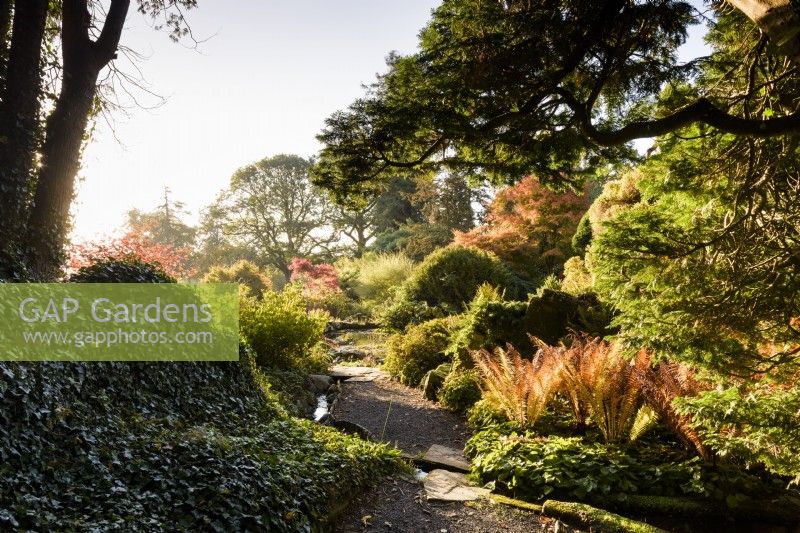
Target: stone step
{"x":446,"y":458}
{"x":446,"y":486}
{"x":364,"y":373}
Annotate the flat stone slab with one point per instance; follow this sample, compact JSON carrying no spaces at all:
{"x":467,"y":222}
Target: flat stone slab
{"x":446,"y":486}
{"x":446,"y":458}
{"x":364,"y":373}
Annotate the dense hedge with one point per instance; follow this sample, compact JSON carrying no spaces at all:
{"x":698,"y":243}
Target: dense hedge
{"x":553,"y":314}
{"x":154,"y":446}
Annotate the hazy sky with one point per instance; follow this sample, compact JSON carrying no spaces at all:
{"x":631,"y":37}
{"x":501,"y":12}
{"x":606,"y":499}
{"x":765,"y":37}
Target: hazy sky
{"x":263,"y":84}
{"x":269,"y":74}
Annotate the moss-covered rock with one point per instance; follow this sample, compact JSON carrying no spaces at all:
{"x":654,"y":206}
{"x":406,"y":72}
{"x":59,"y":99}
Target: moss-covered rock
{"x":552,"y":314}
{"x":594,"y":519}
{"x":433,"y":381}
{"x":783,"y":510}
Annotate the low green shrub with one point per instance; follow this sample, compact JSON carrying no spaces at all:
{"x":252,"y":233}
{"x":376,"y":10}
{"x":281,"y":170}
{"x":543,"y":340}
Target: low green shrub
{"x":421,"y":348}
{"x":449,"y":277}
{"x":281,"y":332}
{"x":336,"y":303}
{"x":433,"y":381}
{"x":759,"y":425}
{"x":553,"y":314}
{"x":483,"y":415}
{"x":400,"y":312}
{"x":130,"y":269}
{"x":533,"y":467}
{"x":373,"y":277}
{"x":460,"y":390}
{"x":244,"y":273}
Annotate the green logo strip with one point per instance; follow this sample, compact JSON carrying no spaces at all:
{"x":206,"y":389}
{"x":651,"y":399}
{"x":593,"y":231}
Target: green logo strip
{"x":119,"y":322}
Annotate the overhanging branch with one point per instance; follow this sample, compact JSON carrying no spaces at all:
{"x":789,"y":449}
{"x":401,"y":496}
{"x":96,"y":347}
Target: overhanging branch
{"x":701,"y":110}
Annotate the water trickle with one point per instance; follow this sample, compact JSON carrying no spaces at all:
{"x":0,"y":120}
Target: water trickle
{"x":322,"y":407}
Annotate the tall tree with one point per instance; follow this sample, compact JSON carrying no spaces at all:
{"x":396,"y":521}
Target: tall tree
{"x":447,"y":200}
{"x":214,"y":247}
{"x":164,"y":224}
{"x":357,"y":224}
{"x":394,"y":205}
{"x":551,"y":88}
{"x":19,"y":116}
{"x":272,"y":206}
{"x":39,"y":158}
{"x":705,"y":267}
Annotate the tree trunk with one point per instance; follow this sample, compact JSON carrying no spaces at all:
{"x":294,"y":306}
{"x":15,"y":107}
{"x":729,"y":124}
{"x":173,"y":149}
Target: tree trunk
{"x":6,"y":7}
{"x":48,"y":224}
{"x":19,"y":118}
{"x":779,"y":20}
{"x":49,"y":219}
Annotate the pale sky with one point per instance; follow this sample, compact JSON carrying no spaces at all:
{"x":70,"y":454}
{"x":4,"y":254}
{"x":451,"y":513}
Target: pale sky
{"x":263,"y":83}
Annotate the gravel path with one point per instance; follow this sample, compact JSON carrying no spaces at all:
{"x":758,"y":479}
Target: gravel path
{"x":413,"y":423}
{"x":398,"y":504}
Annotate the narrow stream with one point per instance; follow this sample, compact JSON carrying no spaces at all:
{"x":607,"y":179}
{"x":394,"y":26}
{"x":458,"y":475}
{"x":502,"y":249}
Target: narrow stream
{"x":322,"y":407}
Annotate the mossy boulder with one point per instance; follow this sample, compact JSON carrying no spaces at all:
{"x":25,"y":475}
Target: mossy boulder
{"x":433,"y":381}
{"x":553,"y":314}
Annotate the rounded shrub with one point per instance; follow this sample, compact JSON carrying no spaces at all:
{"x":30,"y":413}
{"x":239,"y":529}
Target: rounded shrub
{"x":379,"y":273}
{"x":130,"y":269}
{"x":280,"y":331}
{"x":489,"y":322}
{"x":420,"y":349}
{"x":460,"y":390}
{"x":450,"y":277}
{"x":402,"y":311}
{"x":244,"y":273}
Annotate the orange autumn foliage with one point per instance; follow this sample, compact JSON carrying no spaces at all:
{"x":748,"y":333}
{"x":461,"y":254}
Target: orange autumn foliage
{"x":530,"y":227}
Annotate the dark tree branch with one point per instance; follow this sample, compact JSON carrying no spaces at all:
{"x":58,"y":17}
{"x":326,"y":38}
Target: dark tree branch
{"x":701,"y":110}
{"x":107,"y":42}
{"x":75,"y":41}
{"x":418,"y":161}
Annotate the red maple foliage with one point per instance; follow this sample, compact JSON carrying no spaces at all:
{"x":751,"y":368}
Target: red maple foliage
{"x":174,"y":261}
{"x":529,"y":226}
{"x":316,"y":279}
